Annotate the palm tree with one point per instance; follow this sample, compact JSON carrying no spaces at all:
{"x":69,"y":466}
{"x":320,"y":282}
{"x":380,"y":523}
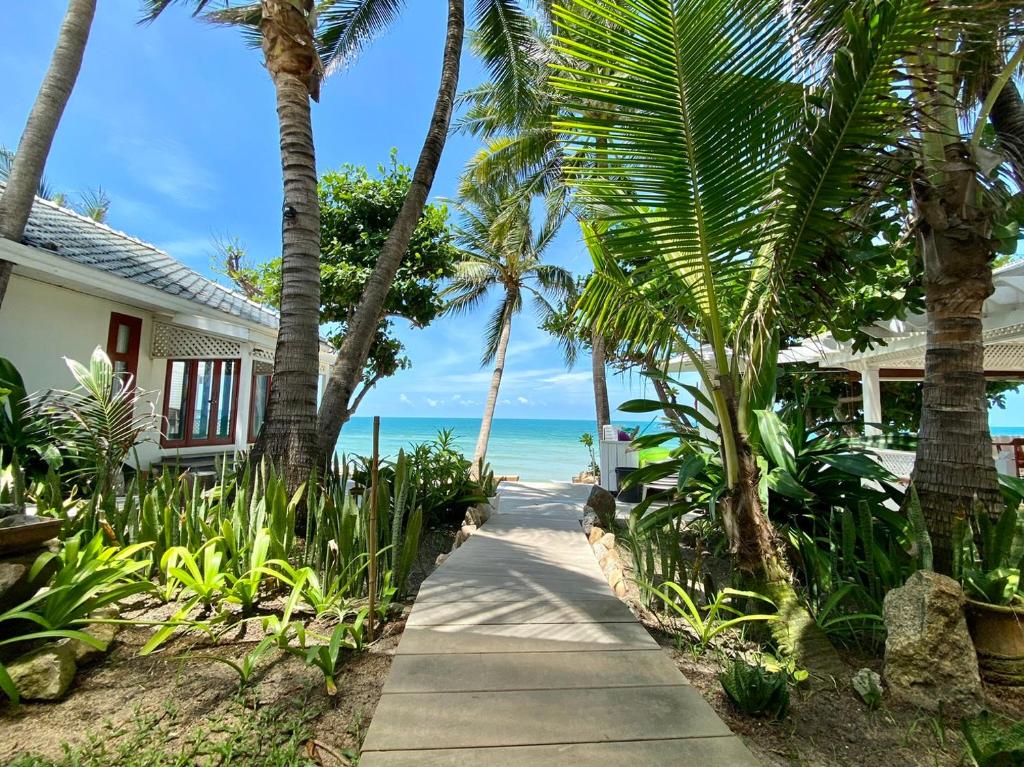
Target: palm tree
{"x":301,"y":40}
{"x":725,"y":182}
{"x":361,"y":332}
{"x":26,"y":171}
{"x":501,"y":251}
{"x":92,"y":203}
{"x":503,"y":40}
{"x":958,"y":201}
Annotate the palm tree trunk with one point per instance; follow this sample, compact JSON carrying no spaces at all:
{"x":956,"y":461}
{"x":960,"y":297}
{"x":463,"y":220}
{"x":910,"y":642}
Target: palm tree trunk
{"x":1007,"y":117}
{"x":598,"y":360}
{"x":348,"y":369}
{"x":480,"y":454}
{"x":288,"y":436}
{"x":954,"y":463}
{"x":34,"y":147}
{"x":761,"y":561}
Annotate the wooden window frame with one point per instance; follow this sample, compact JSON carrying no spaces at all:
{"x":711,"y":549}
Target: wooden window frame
{"x":191,"y":365}
{"x":251,"y":436}
{"x":131,"y":357}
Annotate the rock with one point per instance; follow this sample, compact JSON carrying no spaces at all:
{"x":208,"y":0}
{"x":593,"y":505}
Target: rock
{"x":15,"y":587}
{"x":609,"y":541}
{"x":603,"y":504}
{"x":930,"y":660}
{"x":589,"y":520}
{"x":468,"y":530}
{"x":595,"y":535}
{"x":611,"y":556}
{"x":105,"y":632}
{"x":599,"y":551}
{"x":44,"y":674}
{"x":441,"y":559}
{"x":477,"y":515}
{"x":460,"y":538}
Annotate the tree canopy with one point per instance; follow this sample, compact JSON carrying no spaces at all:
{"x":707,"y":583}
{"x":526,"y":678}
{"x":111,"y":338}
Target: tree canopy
{"x":357,"y":209}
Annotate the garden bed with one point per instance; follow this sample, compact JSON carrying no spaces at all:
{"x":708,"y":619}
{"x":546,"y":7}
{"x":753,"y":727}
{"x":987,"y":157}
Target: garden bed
{"x":155,"y":710}
{"x":825,"y":727}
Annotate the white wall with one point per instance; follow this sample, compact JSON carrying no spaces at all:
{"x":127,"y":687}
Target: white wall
{"x":41,"y":323}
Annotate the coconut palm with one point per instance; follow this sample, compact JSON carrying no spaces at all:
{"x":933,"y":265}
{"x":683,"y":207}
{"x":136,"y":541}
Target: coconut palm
{"x":287,"y":32}
{"x":728,"y":186}
{"x":503,"y":40}
{"x":501,"y":252}
{"x":961,"y":208}
{"x":26,"y":171}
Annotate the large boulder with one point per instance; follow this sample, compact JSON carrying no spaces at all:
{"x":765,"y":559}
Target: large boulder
{"x":44,"y":674}
{"x":603,"y":504}
{"x":15,"y":585}
{"x":930,"y":660}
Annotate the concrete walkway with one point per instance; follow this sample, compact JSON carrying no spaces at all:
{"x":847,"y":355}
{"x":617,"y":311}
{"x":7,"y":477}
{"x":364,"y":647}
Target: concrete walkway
{"x":517,"y":653}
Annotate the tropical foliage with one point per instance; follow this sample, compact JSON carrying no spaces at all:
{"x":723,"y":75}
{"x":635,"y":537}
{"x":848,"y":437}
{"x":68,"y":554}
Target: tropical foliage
{"x":502,"y":251}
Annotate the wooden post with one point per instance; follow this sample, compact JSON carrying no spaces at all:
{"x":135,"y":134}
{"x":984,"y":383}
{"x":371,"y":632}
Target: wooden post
{"x":372,"y":532}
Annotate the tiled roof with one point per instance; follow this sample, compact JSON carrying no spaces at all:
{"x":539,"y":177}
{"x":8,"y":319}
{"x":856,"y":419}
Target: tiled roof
{"x":83,"y":241}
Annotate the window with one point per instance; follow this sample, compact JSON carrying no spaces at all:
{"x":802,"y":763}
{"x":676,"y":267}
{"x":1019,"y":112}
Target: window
{"x":260,"y":399}
{"x":200,"y":402}
{"x":123,"y":339}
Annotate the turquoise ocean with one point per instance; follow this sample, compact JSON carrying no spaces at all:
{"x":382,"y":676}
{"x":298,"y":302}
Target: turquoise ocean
{"x":535,"y":449}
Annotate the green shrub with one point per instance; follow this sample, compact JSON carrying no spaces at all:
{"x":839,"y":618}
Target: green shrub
{"x":754,"y":690}
{"x":994,"y":740}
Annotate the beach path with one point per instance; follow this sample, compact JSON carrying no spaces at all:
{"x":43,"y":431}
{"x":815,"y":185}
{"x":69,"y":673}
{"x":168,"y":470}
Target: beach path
{"x":517,"y":653}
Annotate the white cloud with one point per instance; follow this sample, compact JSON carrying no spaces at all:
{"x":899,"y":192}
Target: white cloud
{"x":456,"y":397}
{"x":433,"y":402}
{"x":403,"y":398}
{"x":166,"y":166}
{"x":522,"y":400}
{"x":504,"y":402}
{"x":563,"y":379}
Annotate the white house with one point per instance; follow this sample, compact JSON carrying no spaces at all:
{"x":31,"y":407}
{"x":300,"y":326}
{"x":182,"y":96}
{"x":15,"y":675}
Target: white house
{"x":206,"y":351}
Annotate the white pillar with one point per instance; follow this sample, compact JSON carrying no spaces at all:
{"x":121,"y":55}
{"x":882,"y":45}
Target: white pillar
{"x":871,"y":390}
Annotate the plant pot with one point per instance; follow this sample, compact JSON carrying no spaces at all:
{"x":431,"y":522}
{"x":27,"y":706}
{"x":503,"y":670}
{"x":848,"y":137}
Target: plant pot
{"x":998,"y":634}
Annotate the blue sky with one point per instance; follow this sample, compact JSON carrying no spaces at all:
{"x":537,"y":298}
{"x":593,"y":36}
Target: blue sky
{"x":176,"y":121}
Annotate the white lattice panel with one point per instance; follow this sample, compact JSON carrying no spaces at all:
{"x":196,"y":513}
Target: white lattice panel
{"x":899,"y":462}
{"x":263,"y":355}
{"x":174,"y":342}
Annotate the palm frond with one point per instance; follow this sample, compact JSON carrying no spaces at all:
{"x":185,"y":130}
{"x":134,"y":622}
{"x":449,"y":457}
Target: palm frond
{"x":505,"y":41}
{"x":677,"y":114}
{"x":511,"y":304}
{"x":348,"y":25}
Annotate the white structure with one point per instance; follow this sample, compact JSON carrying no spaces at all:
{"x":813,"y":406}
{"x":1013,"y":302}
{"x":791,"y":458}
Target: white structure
{"x":614,"y":453}
{"x":899,"y":356}
{"x":205,"y":351}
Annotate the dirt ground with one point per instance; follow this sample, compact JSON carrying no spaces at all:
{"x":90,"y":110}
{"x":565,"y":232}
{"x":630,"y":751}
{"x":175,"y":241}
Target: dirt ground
{"x":183,"y":685}
{"x":825,"y":727}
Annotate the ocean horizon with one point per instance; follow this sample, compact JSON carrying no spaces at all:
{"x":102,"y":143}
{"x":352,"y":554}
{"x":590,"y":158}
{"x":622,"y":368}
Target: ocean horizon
{"x":534,"y":448}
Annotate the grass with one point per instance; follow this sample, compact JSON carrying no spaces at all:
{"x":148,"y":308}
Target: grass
{"x":242,"y":736}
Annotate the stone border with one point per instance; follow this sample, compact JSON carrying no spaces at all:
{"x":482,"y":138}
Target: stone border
{"x":603,"y":544}
{"x":475,"y":517}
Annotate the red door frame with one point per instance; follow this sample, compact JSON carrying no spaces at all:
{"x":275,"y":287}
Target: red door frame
{"x":131,"y":357}
{"x":187,"y":439}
